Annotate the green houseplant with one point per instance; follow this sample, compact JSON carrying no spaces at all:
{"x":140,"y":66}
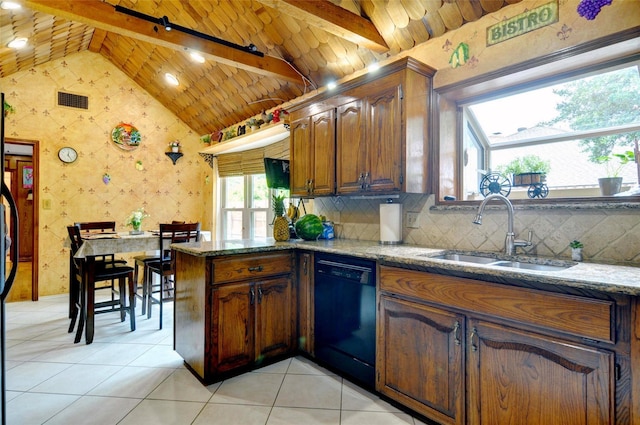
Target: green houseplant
{"x":526,"y":170}
{"x":611,"y":184}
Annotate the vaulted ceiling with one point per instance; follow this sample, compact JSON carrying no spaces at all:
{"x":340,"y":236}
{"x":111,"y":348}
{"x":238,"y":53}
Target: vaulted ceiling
{"x":258,"y":53}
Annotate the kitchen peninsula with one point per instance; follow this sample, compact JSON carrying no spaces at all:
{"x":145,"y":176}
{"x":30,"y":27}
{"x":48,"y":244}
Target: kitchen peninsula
{"x":469,"y":329}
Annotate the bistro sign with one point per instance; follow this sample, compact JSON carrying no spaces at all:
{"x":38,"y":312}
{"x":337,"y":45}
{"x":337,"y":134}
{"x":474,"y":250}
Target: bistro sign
{"x":523,"y":23}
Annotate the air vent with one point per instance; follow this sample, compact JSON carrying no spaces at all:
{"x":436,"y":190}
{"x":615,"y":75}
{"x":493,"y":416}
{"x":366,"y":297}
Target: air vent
{"x":73,"y":100}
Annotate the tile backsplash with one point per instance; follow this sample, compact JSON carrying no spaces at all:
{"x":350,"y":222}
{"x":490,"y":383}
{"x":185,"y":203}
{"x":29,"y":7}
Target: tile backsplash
{"x":608,"y":235}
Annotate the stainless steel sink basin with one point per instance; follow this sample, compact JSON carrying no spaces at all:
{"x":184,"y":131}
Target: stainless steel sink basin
{"x":476,"y":259}
{"x":531,"y":266}
{"x":492,"y":261}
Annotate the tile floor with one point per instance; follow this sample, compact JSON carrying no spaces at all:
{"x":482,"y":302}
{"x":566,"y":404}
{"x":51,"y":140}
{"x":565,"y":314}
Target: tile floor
{"x":136,"y":378}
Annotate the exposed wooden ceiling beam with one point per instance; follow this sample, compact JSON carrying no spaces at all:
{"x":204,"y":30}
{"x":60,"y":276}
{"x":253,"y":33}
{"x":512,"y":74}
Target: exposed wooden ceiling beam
{"x":103,"y":16}
{"x":333,"y":19}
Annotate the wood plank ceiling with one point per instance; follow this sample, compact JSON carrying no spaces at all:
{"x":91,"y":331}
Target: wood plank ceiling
{"x":318,"y":39}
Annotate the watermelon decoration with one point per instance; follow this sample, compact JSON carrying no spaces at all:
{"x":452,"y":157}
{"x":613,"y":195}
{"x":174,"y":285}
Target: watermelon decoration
{"x":309,"y":227}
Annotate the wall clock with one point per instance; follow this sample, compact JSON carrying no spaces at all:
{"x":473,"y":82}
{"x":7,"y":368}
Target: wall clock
{"x":67,"y":155}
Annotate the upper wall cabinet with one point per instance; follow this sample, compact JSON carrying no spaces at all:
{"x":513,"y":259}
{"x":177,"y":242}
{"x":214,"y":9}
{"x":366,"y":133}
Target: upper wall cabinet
{"x":379,"y":139}
{"x":312,"y":154}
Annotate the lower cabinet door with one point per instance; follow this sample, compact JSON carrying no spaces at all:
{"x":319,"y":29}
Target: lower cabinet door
{"x":275,"y":321}
{"x":519,"y":377}
{"x":419,"y":358}
{"x":232,"y":327}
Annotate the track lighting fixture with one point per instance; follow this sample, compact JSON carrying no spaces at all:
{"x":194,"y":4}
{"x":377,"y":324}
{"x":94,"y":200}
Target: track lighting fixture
{"x":168,"y":26}
{"x":164,"y":21}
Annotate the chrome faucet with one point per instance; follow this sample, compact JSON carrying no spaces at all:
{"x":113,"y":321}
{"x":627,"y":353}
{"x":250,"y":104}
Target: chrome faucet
{"x":510,"y":242}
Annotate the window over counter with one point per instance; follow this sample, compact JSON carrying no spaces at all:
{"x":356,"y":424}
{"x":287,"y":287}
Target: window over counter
{"x":571,"y":132}
{"x":548,"y":129}
{"x":246,"y":207}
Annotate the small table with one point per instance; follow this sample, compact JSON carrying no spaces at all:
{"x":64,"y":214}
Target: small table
{"x":103,"y":244}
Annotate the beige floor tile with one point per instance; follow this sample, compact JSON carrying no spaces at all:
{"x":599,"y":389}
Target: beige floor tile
{"x":312,"y":391}
{"x":30,"y":374}
{"x":29,"y":350}
{"x":181,"y":385}
{"x":250,"y":388}
{"x":233,"y":414}
{"x":375,"y":418}
{"x":159,"y":356}
{"x":116,"y":353}
{"x":166,"y":412}
{"x":135,"y":382}
{"x":303,"y":366}
{"x":293,"y":415}
{"x":278,"y":367}
{"x":77,"y":379}
{"x":101,"y":410}
{"x":22,"y":409}
{"x":356,"y":398}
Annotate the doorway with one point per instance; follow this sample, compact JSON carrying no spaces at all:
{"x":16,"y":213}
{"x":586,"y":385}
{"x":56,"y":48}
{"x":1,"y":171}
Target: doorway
{"x":21,"y":174}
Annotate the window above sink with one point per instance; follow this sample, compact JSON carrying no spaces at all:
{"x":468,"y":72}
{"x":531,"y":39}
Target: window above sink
{"x":570,"y":118}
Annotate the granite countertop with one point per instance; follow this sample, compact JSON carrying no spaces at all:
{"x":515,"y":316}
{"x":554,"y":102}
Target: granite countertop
{"x":600,"y":277}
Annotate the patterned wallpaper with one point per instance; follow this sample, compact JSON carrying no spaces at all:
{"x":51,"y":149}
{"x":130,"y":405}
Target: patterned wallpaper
{"x":144,"y":177}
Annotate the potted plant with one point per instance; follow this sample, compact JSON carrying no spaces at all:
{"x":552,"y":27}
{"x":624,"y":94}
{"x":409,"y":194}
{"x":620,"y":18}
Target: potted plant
{"x":610,"y":185}
{"x":526,"y":170}
{"x":175,"y":146}
{"x":206,"y":139}
{"x":254,"y":124}
{"x":576,"y":250}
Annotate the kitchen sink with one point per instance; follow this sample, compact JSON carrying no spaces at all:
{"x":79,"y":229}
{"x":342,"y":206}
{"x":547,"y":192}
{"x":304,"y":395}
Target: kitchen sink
{"x":532,"y":266}
{"x":492,"y":261}
{"x":465,"y":258}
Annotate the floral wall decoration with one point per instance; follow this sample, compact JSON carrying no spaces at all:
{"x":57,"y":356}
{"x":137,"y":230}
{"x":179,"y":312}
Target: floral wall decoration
{"x":106,"y":178}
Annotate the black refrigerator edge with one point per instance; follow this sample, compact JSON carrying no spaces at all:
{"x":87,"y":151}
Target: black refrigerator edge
{"x":5,"y":280}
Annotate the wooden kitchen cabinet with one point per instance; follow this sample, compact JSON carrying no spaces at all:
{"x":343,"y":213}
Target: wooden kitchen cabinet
{"x":251,"y":323}
{"x":419,"y":357}
{"x":370,"y":135}
{"x":234,"y":312}
{"x":312,"y":154}
{"x":461,"y":351}
{"x":522,"y":377}
{"x":369,"y":139}
{"x":305,"y":301}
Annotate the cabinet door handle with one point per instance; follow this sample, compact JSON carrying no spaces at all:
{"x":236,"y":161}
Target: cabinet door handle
{"x":366,"y":184}
{"x":252,"y":295}
{"x":255,"y":269}
{"x":456,"y":333}
{"x":305,"y":266}
{"x":259,"y":295}
{"x":472,"y":336}
{"x":361,"y":180}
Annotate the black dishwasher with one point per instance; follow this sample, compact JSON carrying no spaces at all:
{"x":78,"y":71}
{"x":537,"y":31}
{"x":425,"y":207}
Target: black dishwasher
{"x":345,"y":315}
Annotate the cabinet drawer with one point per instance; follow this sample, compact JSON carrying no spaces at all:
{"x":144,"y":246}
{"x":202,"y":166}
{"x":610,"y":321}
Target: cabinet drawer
{"x":243,"y":267}
{"x":582,"y":317}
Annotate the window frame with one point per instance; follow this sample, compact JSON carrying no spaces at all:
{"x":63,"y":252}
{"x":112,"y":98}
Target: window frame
{"x":543,"y":71}
{"x":248,"y":230}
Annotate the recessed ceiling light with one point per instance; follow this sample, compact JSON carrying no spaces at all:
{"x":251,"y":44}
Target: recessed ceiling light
{"x":374,"y":67}
{"x":18,"y":43}
{"x":171,"y":79}
{"x":332,"y":85}
{"x":197,"y":57}
{"x":10,"y":5}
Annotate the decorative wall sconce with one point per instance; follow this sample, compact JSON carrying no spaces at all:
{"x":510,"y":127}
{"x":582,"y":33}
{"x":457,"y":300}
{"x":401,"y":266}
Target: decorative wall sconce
{"x":174,"y":156}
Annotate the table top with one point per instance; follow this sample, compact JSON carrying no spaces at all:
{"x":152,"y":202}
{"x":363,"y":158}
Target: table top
{"x":112,"y":243}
